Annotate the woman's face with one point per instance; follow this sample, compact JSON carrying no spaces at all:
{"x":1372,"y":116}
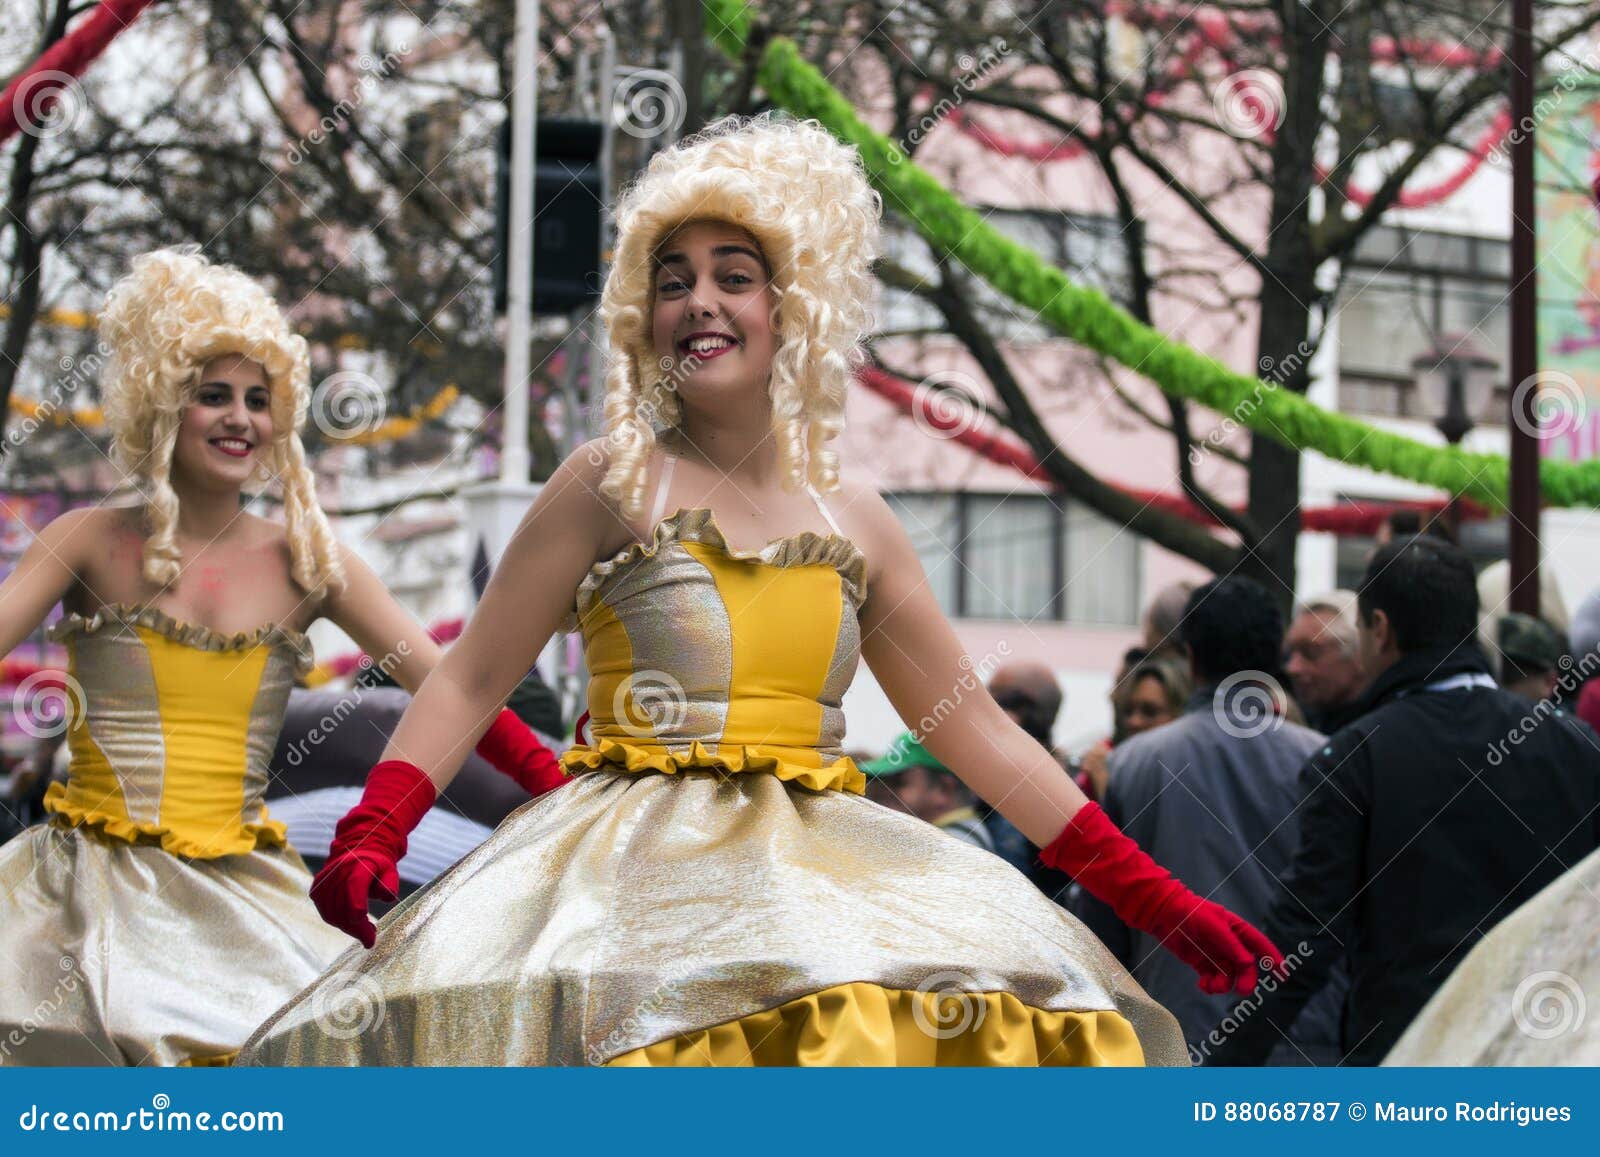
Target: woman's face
{"x":226,"y":426}
{"x":712,"y":319}
{"x":1145,"y":707}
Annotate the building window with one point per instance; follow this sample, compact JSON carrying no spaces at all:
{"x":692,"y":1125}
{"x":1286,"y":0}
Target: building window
{"x":933,"y":522}
{"x":1088,"y":248}
{"x":1009,"y":556}
{"x":1023,"y":556}
{"x":1402,"y":289}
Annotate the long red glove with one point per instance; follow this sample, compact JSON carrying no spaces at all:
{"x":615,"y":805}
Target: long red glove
{"x":1226,"y":951}
{"x":368,"y":844}
{"x":512,"y":747}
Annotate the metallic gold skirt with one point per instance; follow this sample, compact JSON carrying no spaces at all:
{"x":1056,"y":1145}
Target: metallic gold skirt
{"x":705,"y":918}
{"x":114,"y":953}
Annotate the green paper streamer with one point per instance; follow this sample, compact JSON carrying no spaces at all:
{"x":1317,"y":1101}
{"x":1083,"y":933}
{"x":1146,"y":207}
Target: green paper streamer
{"x":1088,"y":317}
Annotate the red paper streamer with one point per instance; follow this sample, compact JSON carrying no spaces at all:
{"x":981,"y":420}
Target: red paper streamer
{"x":65,"y":59}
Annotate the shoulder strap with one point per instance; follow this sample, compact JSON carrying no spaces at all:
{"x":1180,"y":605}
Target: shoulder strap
{"x":823,"y":507}
{"x":661,"y":491}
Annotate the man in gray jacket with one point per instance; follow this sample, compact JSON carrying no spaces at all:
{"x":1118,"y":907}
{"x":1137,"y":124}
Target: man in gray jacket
{"x":1212,"y":796}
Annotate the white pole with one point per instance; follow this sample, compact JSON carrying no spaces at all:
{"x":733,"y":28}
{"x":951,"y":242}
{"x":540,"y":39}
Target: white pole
{"x":514,"y":458}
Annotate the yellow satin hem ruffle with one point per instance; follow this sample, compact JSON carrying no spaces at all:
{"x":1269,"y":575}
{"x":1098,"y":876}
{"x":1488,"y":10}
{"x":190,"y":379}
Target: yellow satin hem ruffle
{"x":865,"y":1024}
{"x":220,"y":1061}
{"x":729,"y":758}
{"x":270,"y":834}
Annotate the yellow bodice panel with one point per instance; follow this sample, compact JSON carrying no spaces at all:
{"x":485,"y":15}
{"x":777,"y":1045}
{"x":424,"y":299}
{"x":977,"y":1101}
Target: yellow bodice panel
{"x":174,"y":727}
{"x":702,"y":657}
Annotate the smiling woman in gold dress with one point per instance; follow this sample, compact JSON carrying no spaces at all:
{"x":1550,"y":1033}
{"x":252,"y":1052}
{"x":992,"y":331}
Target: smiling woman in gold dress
{"x":714,"y":888}
{"x":160,"y":915}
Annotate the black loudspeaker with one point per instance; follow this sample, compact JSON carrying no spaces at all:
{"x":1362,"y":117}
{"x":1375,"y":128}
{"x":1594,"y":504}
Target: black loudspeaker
{"x":566,"y":206}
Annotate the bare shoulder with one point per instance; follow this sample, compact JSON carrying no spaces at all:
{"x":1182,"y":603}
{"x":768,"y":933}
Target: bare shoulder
{"x":869,"y":522}
{"x":570,"y":508}
{"x":81,"y":524}
{"x":263,"y":533}
{"x":100,"y":547}
{"x":266,"y":539}
{"x":577,"y":497}
{"x":92,"y":532}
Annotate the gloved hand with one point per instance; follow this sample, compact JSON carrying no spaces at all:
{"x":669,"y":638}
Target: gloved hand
{"x":368,"y":845}
{"x":515,"y":751}
{"x":1227,"y":952}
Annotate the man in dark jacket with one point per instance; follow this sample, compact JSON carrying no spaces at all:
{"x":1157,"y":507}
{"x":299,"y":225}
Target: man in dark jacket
{"x":1211,"y":796}
{"x":1447,"y":805}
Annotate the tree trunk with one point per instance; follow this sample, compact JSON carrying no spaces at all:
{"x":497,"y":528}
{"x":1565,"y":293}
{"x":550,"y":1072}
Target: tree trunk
{"x":1274,"y":493}
{"x":27,"y":249}
{"x":1288,"y":288}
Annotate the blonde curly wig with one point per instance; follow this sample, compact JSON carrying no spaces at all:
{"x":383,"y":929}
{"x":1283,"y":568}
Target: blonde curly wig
{"x":804,"y":197}
{"x":163,"y":321}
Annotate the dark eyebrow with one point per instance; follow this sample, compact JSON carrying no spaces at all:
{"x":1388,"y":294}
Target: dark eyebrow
{"x":719,"y":251}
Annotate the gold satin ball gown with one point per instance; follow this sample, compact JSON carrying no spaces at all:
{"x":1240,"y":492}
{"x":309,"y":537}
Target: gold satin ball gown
{"x":159,"y":915}
{"x":712,"y":889}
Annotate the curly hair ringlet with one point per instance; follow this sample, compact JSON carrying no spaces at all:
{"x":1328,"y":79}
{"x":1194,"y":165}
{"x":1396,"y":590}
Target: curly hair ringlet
{"x":804,"y":196}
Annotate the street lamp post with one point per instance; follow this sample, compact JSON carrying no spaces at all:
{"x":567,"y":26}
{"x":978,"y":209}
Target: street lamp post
{"x":1455,"y":379}
{"x":1523,"y":426}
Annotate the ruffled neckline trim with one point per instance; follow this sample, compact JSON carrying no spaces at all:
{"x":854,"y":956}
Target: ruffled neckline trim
{"x":202,"y":638}
{"x":699,"y":524}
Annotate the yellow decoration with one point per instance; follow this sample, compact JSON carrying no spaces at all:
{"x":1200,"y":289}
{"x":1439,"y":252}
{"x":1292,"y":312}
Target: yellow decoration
{"x":864,"y":1024}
